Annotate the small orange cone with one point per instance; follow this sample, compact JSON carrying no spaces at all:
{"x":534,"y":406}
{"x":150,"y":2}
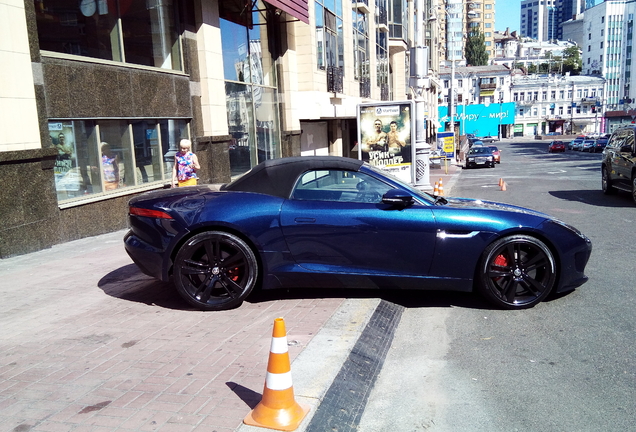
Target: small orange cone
{"x":278,"y":409}
{"x":503,"y":186}
{"x":436,"y":189}
{"x":501,"y":182}
{"x":441,"y":188}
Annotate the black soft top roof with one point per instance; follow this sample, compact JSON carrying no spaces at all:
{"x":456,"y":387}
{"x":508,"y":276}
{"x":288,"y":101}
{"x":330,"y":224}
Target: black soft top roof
{"x":277,"y":176}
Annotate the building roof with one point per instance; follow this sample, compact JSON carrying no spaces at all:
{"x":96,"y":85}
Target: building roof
{"x":536,"y":79}
{"x":477,"y":70}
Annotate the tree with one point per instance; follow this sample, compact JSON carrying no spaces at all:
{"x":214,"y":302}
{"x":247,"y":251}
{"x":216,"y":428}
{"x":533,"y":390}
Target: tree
{"x":476,"y":54}
{"x":572,"y":60}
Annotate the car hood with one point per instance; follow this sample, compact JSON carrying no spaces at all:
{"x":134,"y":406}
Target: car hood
{"x":491,"y":205}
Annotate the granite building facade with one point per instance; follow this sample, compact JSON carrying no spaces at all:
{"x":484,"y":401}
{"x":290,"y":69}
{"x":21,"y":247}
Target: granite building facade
{"x":96,"y":95}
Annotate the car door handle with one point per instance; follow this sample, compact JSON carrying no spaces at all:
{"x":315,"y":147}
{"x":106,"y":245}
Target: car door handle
{"x":303,"y":220}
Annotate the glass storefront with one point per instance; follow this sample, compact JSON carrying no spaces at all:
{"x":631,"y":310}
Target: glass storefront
{"x":251,"y":94}
{"x":141,"y":32}
{"x":101,"y":156}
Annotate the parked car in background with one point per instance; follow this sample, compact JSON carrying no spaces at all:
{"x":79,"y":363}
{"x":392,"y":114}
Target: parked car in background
{"x":588,"y":145}
{"x":556,"y":146}
{"x":489,"y":139}
{"x":575,"y":143}
{"x":496,"y":153}
{"x":618,"y":167}
{"x":477,"y":143}
{"x":600,"y":145}
{"x":480,"y":156}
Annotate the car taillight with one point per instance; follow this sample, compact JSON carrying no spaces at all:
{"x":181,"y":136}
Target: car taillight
{"x":158,"y":214}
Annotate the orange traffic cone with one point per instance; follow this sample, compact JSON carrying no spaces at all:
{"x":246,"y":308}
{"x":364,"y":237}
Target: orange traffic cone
{"x":503,"y":186}
{"x":441,"y":188}
{"x":436,"y":189}
{"x":501,"y":182}
{"x":278,"y":409}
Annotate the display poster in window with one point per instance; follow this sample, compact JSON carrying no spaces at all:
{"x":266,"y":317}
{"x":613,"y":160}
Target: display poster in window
{"x":385,"y":133}
{"x":67,"y":176}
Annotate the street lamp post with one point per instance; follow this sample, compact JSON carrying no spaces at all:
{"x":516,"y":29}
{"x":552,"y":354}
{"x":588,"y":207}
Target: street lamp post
{"x":418,"y":84}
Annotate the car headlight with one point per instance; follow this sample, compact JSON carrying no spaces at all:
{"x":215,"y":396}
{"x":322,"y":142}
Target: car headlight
{"x":569,"y":228}
{"x":471,"y":159}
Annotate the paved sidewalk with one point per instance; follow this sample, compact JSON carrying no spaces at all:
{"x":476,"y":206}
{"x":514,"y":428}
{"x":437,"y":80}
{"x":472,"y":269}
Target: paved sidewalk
{"x":88,"y":343}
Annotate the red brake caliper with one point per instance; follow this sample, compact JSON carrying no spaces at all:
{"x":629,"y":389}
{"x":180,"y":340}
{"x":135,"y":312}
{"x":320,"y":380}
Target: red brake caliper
{"x":233,"y":273}
{"x":500,"y":261}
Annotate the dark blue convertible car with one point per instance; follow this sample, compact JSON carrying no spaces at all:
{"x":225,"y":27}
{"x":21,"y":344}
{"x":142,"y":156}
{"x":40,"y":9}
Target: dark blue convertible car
{"x":331,"y":222}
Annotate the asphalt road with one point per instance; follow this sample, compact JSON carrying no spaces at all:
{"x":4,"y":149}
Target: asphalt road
{"x":568,"y":364}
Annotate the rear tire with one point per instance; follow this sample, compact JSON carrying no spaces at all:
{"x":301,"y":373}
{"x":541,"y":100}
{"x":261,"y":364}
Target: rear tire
{"x":215,"y":270}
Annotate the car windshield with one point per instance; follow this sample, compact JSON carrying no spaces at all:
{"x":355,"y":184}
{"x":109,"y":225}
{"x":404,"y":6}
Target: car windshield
{"x":480,"y":150}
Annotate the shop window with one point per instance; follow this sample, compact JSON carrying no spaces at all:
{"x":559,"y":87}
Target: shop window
{"x":98,"y":157}
{"x":141,"y":32}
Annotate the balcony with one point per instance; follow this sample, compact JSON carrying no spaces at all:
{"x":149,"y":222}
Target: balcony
{"x":383,"y":19}
{"x":361,"y":6}
{"x":487,"y":86}
{"x":334,"y":79}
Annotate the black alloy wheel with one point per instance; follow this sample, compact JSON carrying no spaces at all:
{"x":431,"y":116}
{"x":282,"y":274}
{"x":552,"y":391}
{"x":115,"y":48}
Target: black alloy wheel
{"x":606,"y":182}
{"x":215,"y":270}
{"x":516,"y":272}
{"x":634,"y":188}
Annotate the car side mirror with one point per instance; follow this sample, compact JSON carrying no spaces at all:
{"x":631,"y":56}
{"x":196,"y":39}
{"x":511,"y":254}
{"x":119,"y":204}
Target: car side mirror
{"x":397,"y":198}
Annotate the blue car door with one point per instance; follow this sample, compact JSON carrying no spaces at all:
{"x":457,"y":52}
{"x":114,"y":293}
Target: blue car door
{"x":340,"y":233}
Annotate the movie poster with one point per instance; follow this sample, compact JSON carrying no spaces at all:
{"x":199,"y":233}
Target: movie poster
{"x":385,"y":132}
{"x":67,"y":177}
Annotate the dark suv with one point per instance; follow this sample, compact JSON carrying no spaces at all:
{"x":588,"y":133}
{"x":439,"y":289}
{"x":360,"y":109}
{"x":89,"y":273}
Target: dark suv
{"x":618,"y":168}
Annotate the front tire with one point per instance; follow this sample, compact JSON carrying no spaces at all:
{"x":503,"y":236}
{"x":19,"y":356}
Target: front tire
{"x":215,"y":270}
{"x":634,"y":188}
{"x":606,"y":182}
{"x":516,"y":272}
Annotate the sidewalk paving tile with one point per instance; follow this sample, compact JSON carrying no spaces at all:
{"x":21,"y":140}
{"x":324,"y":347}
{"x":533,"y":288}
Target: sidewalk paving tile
{"x":87,"y":342}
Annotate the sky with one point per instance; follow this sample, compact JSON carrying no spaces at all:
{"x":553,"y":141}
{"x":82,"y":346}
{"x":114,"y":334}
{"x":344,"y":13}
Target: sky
{"x":507,"y":14}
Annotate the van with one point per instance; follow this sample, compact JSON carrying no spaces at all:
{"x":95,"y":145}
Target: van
{"x":618,"y":166}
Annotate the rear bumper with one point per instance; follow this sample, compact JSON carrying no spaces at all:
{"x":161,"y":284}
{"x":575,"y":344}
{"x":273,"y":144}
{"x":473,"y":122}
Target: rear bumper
{"x":148,"y":258}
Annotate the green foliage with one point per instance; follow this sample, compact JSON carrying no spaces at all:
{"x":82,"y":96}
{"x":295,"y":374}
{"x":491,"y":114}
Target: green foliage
{"x":476,"y":54}
{"x":572,"y":61}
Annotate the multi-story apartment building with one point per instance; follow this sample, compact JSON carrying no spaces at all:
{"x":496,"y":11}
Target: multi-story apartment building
{"x":481,"y":14}
{"x":452,"y":29}
{"x":456,"y":19}
{"x":608,"y":49}
{"x":543,"y":20}
{"x":125,"y":80}
{"x":540,"y":19}
{"x":558,"y":104}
